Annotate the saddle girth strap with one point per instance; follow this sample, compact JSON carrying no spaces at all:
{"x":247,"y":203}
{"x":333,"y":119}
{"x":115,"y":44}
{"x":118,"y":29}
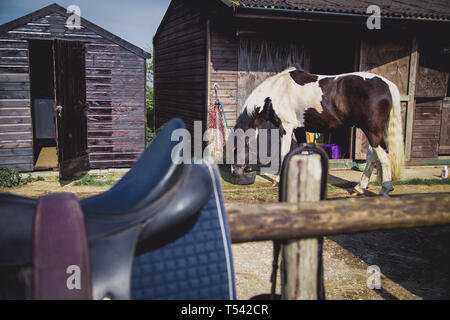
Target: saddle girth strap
{"x":61,"y":268}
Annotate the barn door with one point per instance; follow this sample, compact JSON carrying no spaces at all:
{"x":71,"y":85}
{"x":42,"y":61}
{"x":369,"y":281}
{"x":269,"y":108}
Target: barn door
{"x":70,"y":95}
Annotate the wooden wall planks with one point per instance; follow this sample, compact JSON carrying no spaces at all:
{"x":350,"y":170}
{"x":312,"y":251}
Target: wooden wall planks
{"x":180,"y":68}
{"x":426,"y":132}
{"x":224,"y":70}
{"x":15,"y":114}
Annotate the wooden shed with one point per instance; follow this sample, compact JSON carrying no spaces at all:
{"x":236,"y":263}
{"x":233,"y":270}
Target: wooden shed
{"x":69,"y":98}
{"x":238,"y":44}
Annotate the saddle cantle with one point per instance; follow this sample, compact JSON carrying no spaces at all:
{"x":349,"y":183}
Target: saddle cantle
{"x":155,"y":203}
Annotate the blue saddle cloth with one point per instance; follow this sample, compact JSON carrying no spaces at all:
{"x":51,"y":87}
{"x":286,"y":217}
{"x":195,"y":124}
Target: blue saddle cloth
{"x":197,"y":266}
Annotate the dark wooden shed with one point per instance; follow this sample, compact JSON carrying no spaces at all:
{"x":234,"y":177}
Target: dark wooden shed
{"x":238,"y":44}
{"x":96,"y":77}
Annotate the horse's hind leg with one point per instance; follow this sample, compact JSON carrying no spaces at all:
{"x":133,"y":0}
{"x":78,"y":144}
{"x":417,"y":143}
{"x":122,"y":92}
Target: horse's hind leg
{"x":365,"y":179}
{"x":386,"y":171}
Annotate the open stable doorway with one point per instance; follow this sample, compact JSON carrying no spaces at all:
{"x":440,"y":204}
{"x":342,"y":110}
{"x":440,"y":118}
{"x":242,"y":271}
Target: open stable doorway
{"x":336,"y":55}
{"x":42,"y":86}
{"x":58,"y":102}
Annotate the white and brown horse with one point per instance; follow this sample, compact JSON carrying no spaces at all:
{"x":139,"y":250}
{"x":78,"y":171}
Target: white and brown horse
{"x":293,"y":99}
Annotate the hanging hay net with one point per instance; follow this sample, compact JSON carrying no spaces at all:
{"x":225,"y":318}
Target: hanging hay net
{"x":217,"y":133}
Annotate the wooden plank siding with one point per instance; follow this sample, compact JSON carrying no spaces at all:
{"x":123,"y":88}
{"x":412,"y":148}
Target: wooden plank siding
{"x":223,"y":69}
{"x":444,"y":141}
{"x":426,"y":132}
{"x":115,"y":83}
{"x":16,"y":137}
{"x":180,"y":65}
{"x":115,"y":92}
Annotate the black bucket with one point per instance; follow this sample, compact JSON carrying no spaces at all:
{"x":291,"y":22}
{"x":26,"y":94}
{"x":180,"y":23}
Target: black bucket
{"x":247,"y":178}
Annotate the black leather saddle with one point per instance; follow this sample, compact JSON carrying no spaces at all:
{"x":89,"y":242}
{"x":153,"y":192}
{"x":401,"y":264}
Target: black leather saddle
{"x":156,"y":202}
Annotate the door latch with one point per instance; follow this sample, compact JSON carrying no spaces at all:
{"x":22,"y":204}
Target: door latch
{"x":59,"y":110}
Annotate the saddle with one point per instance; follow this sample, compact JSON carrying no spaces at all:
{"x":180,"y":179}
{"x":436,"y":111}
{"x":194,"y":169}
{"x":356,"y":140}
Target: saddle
{"x":47,"y":243}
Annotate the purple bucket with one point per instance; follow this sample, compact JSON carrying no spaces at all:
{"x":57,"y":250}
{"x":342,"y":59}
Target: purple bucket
{"x":333,"y":151}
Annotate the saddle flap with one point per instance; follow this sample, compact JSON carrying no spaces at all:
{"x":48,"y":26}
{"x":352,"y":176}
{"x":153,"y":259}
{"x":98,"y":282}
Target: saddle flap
{"x":61,"y":269}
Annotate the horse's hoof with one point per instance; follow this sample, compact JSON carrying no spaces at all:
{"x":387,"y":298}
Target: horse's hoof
{"x":387,"y":187}
{"x":358,"y":190}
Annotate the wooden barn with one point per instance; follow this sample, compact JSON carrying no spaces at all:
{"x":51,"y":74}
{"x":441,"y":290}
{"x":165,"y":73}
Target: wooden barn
{"x":238,"y":44}
{"x":69,"y":98}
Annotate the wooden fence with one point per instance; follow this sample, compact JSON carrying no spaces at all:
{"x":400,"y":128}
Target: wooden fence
{"x":304,"y":220}
{"x":282,"y":221}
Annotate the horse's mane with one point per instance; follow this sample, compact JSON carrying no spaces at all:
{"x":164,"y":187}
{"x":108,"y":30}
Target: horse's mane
{"x":260,"y":93}
{"x":245,"y":117}
{"x":296,"y":67}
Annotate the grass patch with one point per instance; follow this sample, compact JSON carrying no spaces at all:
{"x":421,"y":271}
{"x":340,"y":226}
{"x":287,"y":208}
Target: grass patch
{"x":417,"y":182}
{"x":332,"y":187}
{"x":90,"y":180}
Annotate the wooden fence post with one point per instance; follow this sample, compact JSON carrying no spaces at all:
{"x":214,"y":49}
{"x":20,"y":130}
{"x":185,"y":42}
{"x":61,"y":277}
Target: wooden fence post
{"x":301,"y":267}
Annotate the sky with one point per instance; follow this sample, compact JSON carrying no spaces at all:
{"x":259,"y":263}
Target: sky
{"x":133,"y":20}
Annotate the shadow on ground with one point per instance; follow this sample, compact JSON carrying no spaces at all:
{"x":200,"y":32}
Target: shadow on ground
{"x":418,"y":259}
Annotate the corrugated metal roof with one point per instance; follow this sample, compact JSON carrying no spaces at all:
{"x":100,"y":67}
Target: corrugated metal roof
{"x":430,"y":9}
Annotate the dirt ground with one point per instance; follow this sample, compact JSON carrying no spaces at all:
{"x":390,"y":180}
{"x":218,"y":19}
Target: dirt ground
{"x":414,"y":263}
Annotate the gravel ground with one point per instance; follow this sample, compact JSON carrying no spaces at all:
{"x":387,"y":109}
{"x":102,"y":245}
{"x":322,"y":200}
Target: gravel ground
{"x":414,"y":263}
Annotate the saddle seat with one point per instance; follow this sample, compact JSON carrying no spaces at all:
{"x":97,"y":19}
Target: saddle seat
{"x":155,"y":203}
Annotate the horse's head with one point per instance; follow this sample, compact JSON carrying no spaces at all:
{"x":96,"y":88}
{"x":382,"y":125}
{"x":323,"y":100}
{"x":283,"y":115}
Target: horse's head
{"x":254,"y":120}
{"x":269,"y":114}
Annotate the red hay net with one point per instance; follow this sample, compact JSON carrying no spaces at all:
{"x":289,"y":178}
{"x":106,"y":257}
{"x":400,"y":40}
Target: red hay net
{"x":217,"y":134}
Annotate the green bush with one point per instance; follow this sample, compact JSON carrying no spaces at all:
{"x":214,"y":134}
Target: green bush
{"x":10,"y":178}
{"x":149,"y":137}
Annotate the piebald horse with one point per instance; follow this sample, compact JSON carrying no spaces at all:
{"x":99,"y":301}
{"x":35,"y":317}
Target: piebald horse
{"x":296,"y":99}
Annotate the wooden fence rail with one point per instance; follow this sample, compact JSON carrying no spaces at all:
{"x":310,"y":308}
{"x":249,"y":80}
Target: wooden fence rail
{"x":285,"y":221}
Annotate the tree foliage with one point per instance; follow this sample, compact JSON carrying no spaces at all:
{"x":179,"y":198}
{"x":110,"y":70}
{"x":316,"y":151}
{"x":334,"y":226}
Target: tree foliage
{"x":150,"y":103}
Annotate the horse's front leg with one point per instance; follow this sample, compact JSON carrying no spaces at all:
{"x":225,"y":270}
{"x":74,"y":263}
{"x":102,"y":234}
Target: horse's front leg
{"x":386,"y":171}
{"x":286,"y":142}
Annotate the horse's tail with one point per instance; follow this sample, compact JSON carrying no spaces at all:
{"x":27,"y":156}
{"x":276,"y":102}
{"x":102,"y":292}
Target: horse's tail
{"x":393,"y":133}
